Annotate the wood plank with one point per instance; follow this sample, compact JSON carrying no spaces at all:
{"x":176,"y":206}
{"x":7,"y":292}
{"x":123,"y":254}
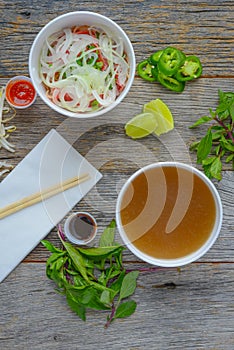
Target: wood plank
{"x":191,"y":309}
{"x":206,"y":26}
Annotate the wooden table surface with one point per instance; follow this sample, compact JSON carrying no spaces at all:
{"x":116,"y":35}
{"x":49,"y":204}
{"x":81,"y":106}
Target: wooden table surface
{"x":188,"y":309}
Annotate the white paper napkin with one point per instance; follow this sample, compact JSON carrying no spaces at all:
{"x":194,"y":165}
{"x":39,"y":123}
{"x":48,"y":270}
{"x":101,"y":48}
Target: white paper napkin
{"x":51,"y":162}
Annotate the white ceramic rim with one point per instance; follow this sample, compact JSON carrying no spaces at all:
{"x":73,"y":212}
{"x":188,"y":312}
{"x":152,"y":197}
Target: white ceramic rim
{"x":16,"y":78}
{"x":41,"y":36}
{"x":69,"y":235}
{"x":186,"y":259}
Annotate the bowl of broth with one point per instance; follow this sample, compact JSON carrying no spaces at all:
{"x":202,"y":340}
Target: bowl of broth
{"x":169,"y":214}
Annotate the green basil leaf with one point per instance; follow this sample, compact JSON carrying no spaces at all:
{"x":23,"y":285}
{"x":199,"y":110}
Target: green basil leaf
{"x":108,"y":235}
{"x":221,"y":95}
{"x":125,"y":309}
{"x":109,"y":274}
{"x":49,"y":272}
{"x":206,"y":169}
{"x":102,"y":278}
{"x":88,"y":296}
{"x":75,"y":306}
{"x":231,"y":111}
{"x":60,"y":262}
{"x":212,"y":113}
{"x":222,"y":110}
{"x":200,"y":121}
{"x":79,"y":281}
{"x":226,"y":97}
{"x":230,"y":158}
{"x":77,"y":260}
{"x":114,"y":273}
{"x":128,"y":285}
{"x":217,"y":150}
{"x":223,"y":115}
{"x":106,"y":298}
{"x":58,"y":277}
{"x":208,"y":161}
{"x":54,"y":257}
{"x":116,"y":285}
{"x":100,"y":252}
{"x":204,"y":147}
{"x":48,"y":245}
{"x":228,"y":145}
{"x":216,"y":135}
{"x":216,"y":168}
{"x":217,"y":127}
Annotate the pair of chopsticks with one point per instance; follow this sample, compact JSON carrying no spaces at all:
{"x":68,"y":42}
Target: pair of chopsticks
{"x":41,"y":195}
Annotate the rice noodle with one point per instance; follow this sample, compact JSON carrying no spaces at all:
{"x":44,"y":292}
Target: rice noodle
{"x":83,"y":68}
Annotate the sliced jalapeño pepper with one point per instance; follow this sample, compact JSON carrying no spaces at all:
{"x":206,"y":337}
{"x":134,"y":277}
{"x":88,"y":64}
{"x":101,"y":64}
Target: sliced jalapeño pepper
{"x":155,"y":72}
{"x":191,"y":69}
{"x":171,"y":60}
{"x":154,"y":58}
{"x":171,"y":83}
{"x":144,"y":69}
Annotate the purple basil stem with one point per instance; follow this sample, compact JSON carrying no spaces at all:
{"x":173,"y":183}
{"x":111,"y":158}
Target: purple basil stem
{"x":61,"y":233}
{"x":111,"y":316}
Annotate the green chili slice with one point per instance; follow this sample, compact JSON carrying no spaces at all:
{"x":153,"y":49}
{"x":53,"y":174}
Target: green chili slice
{"x":170,"y":82}
{"x":191,"y":69}
{"x":171,"y":60}
{"x":154,"y":58}
{"x":144,"y":69}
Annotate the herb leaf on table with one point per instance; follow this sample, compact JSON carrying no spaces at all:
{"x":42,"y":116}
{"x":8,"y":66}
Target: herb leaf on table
{"x":93,"y":277}
{"x":217,"y":146}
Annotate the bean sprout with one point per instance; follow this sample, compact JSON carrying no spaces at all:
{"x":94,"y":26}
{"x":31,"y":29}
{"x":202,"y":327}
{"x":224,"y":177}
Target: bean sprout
{"x":5,"y":131}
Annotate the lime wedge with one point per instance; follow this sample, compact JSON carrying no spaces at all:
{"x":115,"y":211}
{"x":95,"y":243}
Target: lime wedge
{"x":162,"y":115}
{"x":141,"y":125}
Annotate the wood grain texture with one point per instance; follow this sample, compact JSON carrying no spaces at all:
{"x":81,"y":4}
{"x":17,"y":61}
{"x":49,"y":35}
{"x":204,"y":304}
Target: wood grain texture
{"x":192,"y":309}
{"x":151,"y":25}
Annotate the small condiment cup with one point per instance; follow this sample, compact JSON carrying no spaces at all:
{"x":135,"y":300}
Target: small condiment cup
{"x":80,"y":228}
{"x":9,"y":86}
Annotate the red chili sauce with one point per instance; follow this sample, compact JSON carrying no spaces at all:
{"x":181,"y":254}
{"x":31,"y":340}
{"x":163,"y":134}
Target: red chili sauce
{"x":20,"y":92}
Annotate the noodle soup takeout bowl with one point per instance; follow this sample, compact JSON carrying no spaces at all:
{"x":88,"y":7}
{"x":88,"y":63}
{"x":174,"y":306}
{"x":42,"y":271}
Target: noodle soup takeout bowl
{"x":82,"y":64}
{"x":169,"y":214}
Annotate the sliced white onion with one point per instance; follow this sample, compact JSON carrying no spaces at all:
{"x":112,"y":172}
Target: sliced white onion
{"x":61,"y":72}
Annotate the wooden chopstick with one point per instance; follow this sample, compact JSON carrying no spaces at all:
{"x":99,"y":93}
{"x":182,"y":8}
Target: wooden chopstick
{"x":41,"y":195}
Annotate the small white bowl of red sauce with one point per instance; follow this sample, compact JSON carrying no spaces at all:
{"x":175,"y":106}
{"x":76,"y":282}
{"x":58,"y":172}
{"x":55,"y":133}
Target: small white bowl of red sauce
{"x":20,"y":92}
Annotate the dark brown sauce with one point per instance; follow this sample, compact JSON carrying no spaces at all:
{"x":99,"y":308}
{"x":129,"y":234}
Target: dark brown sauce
{"x":147,"y":209}
{"x":82,"y":227}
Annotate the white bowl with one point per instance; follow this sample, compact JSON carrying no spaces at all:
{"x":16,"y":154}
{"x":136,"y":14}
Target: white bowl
{"x":77,"y":19}
{"x":22,"y":79}
{"x":80,"y":233}
{"x":185,"y":259}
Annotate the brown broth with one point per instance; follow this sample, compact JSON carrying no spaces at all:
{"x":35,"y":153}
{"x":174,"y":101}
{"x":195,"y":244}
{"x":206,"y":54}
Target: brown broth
{"x":147,"y":206}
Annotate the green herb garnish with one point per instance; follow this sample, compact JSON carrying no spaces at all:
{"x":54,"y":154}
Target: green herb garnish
{"x":93,"y":277}
{"x":218,"y":143}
